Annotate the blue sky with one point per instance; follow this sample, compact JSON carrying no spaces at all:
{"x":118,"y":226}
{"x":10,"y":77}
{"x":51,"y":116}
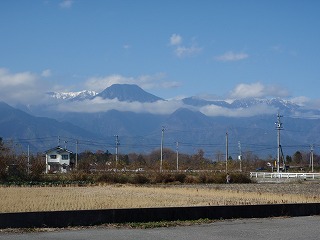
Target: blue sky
{"x":218,"y":49}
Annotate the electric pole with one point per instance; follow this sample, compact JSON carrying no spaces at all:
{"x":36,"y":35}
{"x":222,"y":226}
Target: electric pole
{"x":77,"y":142}
{"x":117,"y":149}
{"x":279,"y":128}
{"x":161,"y":148}
{"x":240,"y":156}
{"x":28,"y":162}
{"x":227,"y":151}
{"x":311,"y":158}
{"x":177,"y":156}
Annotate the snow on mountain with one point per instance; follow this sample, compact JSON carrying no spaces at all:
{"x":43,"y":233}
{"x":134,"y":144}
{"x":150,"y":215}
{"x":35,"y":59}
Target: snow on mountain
{"x":275,"y":102}
{"x":133,"y":93}
{"x":188,"y":123}
{"x":242,"y":103}
{"x":76,"y":96}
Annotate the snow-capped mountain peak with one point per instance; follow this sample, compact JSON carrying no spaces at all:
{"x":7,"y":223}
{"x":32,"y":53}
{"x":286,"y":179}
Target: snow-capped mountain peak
{"x":81,"y":95}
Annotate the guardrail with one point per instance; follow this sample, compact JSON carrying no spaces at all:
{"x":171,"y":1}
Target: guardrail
{"x":270,"y":175}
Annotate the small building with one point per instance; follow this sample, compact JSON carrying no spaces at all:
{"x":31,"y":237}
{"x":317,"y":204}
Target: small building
{"x":58,"y":160}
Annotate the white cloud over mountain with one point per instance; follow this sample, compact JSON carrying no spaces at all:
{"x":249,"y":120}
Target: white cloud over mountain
{"x":258,"y":90}
{"x":215,"y":111}
{"x":102,"y":105}
{"x":23,"y":87}
{"x":31,"y":88}
{"x":155,"y":81}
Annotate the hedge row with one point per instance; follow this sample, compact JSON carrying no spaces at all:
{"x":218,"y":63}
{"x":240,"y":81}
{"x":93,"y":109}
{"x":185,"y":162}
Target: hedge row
{"x":84,"y":179}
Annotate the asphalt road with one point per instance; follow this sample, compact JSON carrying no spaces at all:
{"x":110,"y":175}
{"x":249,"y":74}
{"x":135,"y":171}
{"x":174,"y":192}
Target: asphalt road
{"x":270,"y":228}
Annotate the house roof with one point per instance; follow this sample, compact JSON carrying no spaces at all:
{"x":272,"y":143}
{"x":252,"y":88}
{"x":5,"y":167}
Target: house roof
{"x":58,"y":149}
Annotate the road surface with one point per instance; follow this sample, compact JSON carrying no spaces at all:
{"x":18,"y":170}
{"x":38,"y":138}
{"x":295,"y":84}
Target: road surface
{"x":268,"y":228}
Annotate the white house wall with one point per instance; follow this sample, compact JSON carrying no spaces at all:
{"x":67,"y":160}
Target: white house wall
{"x":59,"y":158}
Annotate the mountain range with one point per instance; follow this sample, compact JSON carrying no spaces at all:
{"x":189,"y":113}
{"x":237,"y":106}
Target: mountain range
{"x":138,"y":117}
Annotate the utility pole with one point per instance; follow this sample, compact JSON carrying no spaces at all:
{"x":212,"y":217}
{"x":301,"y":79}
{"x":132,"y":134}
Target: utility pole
{"x":240,"y":156}
{"x":177,"y":156}
{"x":227,"y":151}
{"x":59,"y":141}
{"x":117,"y":148}
{"x":161,"y":148}
{"x":279,"y":128}
{"x":77,"y":142}
{"x":311,"y":158}
{"x":28,"y":162}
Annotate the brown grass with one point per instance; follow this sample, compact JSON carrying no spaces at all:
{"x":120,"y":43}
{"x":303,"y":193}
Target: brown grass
{"x":26,"y":199}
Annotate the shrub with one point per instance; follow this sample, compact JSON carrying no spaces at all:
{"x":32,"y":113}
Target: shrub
{"x":139,"y":179}
{"x":191,"y":179}
{"x":180,"y":177}
{"x":240,"y":178}
{"x":163,"y":178}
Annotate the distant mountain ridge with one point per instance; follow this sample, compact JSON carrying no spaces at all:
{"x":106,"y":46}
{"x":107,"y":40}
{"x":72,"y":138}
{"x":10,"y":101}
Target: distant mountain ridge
{"x":133,"y":93}
{"x":122,"y":92}
{"x":16,"y":124}
{"x":139,"y":132}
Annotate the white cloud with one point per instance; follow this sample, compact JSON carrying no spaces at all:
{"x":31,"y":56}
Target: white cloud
{"x":301,"y":101}
{"x":257,"y":90}
{"x":214,"y":111}
{"x":46,"y":73}
{"x":182,"y":51}
{"x":23,"y":87}
{"x":11,"y":80}
{"x":102,"y":105}
{"x":231,"y":56}
{"x":98,"y":84}
{"x":175,"y":39}
{"x":66,"y":4}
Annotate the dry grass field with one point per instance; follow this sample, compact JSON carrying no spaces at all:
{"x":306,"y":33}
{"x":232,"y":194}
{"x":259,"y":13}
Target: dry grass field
{"x":26,"y":199}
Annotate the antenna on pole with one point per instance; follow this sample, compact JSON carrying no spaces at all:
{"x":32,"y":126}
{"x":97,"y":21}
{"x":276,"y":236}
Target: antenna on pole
{"x":278,"y":128}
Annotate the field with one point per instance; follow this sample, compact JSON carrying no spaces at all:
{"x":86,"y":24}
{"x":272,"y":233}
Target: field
{"x":26,"y":199}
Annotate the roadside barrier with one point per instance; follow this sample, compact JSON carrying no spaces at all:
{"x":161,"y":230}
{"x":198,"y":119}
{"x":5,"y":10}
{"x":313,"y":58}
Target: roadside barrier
{"x":62,"y":219}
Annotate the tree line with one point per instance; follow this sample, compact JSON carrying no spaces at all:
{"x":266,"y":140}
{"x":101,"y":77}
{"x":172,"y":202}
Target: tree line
{"x":21,"y":166}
